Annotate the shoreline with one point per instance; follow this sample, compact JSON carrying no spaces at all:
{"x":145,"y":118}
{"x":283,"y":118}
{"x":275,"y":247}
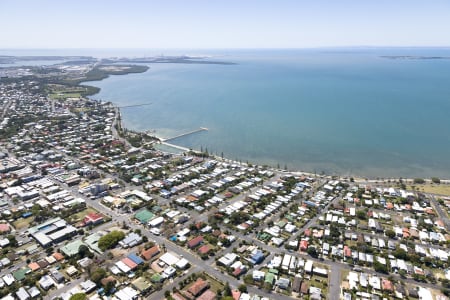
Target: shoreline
{"x":356,"y":179}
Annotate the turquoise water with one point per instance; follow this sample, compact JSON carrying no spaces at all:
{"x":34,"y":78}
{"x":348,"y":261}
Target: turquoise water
{"x":334,"y":111}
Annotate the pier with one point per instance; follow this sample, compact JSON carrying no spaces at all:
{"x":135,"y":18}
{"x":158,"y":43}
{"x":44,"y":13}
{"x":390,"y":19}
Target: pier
{"x":185,"y":134}
{"x":175,"y":146}
{"x":134,"y":105}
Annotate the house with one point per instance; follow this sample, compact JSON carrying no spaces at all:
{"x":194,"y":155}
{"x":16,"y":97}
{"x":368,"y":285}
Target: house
{"x":227,"y":259}
{"x":386,"y":285}
{"x":129,"y":263}
{"x":34,"y":292}
{"x":59,"y":278}
{"x":93,"y":219}
{"x":131,"y":240}
{"x":22,"y":294}
{"x":257,"y":257}
{"x":315,"y":293}
{"x":296,"y":284}
{"x":58,"y":256}
{"x":177,"y":296}
{"x":413,"y":293}
{"x":204,"y":249}
{"x":87,"y":286}
{"x":304,"y":288}
{"x":303,"y":245}
{"x":182,"y":264}
{"x":258,"y":275}
{"x":236,"y":294}
{"x":46,"y":282}
{"x":198,"y":287}
{"x":71,"y":271}
{"x":269,"y":278}
{"x":169,"y":272}
{"x":127,"y":293}
{"x":4,"y":228}
{"x":309,"y":266}
{"x":283,"y":283}
{"x":169,"y":258}
{"x":107,"y":280}
{"x":34,"y":266}
{"x":195,"y":242}
{"x":320,"y":271}
{"x":208,"y":295}
{"x":239,"y":271}
{"x":150,"y":253}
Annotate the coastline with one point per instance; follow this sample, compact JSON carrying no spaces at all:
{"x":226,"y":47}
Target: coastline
{"x":357,"y":179}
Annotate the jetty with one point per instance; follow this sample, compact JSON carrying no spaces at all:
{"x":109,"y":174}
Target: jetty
{"x":176,"y":146}
{"x":134,"y":105}
{"x":185,"y":134}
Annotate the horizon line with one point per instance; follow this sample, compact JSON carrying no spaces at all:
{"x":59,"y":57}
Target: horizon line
{"x":224,"y":48}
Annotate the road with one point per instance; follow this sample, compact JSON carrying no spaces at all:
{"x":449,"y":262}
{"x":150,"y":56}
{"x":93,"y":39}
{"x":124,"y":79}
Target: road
{"x":442,"y":214}
{"x":116,"y":123}
{"x":6,"y":108}
{"x":64,"y":289}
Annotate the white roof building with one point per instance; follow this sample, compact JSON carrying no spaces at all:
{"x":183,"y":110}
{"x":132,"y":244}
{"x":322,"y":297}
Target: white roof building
{"x":127,"y":293}
{"x":169,"y":259}
{"x":22,"y":294}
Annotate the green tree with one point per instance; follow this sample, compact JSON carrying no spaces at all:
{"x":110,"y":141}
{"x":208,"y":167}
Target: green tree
{"x":379,"y":267}
{"x":435,"y":180}
{"x":312,"y":251}
{"x":110,"y":240}
{"x":390,"y":233}
{"x":361,"y":214}
{"x":400,"y":254}
{"x":83,"y":251}
{"x":98,"y":275}
{"x":248,"y":279}
{"x":227,"y":290}
{"x":78,"y":296}
{"x":109,"y":286}
{"x":419,"y":181}
{"x":242,"y":288}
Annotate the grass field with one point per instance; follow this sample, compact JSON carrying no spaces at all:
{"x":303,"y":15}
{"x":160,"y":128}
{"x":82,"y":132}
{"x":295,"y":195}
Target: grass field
{"x":215,"y":285}
{"x":441,"y":189}
{"x":62,"y":96}
{"x":61,"y":92}
{"x":22,"y":223}
{"x":344,"y":274}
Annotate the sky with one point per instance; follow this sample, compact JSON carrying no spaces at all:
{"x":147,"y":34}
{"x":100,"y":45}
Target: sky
{"x":189,"y":24}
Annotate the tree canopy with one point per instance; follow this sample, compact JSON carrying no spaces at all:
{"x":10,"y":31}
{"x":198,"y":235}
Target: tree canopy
{"x":110,"y":240}
{"x":78,"y":296}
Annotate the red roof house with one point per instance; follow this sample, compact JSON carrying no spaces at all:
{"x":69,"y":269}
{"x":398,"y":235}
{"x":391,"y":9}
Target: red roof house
{"x":93,"y":219}
{"x":4,"y":228}
{"x":150,"y":253}
{"x":195,"y":242}
{"x":131,"y":264}
{"x":204,"y":249}
{"x":198,"y":287}
{"x":303,"y":245}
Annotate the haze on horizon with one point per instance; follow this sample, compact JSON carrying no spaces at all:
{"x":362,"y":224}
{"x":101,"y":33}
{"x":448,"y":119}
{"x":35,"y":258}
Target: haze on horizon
{"x":223,"y":24}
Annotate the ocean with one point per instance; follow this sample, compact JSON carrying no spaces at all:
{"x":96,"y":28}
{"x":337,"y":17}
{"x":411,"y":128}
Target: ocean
{"x":348,"y":112}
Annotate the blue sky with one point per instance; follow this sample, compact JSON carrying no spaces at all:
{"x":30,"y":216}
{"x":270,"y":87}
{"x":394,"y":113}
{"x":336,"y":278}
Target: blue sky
{"x":223,"y":24}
